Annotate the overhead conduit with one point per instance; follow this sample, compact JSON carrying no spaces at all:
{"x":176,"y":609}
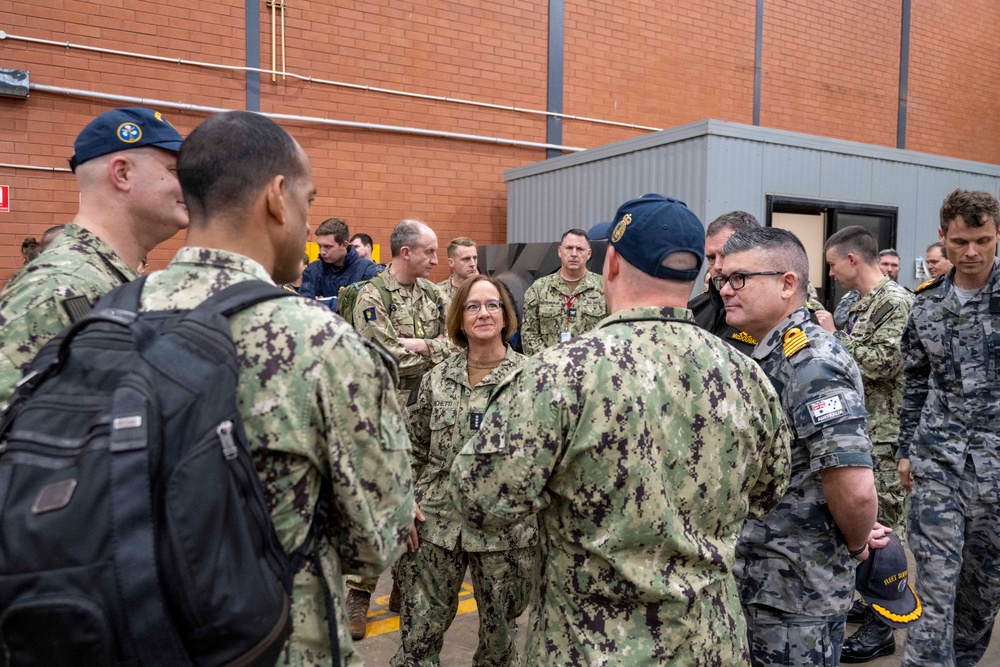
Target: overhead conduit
{"x":57,"y":90}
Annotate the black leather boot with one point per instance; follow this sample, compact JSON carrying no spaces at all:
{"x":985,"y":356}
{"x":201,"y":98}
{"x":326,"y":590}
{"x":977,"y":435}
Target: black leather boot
{"x":857,"y":611}
{"x":873,"y":640}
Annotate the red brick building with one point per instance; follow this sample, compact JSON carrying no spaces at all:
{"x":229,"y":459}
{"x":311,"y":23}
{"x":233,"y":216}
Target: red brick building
{"x":830,"y":69}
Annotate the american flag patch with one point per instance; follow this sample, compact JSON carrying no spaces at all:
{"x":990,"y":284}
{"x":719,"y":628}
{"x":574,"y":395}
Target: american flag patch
{"x":826,"y":409}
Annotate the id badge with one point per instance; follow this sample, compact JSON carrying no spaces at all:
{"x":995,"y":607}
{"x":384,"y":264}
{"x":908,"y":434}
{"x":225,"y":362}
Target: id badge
{"x":565,"y":336}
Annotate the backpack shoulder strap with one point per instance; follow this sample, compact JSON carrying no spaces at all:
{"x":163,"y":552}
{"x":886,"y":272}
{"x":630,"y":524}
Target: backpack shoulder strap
{"x":431,"y":291}
{"x":123,"y":297}
{"x":379,"y":283}
{"x":242,"y":295}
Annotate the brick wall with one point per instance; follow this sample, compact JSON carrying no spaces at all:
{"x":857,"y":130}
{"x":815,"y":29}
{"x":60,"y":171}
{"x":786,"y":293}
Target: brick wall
{"x":828,"y":68}
{"x":953,"y":107}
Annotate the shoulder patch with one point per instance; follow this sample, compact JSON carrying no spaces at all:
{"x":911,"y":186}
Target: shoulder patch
{"x":826,"y":409}
{"x":795,"y":340}
{"x":933,"y":282}
{"x":77,"y":307}
{"x":369,"y":314}
{"x":745,"y":337}
{"x":883,"y":312}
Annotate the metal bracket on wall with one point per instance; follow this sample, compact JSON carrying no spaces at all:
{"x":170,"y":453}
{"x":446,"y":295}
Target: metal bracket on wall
{"x":275,"y":6}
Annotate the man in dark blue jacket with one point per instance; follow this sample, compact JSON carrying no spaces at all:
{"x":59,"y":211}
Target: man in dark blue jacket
{"x":338,"y":265}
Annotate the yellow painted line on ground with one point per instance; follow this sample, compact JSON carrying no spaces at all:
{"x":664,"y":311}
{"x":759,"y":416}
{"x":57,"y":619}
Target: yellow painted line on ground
{"x":391,"y":624}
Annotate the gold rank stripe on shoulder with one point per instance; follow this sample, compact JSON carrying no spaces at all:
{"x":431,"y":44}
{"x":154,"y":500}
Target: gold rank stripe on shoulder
{"x":795,"y":340}
{"x":924,"y":285}
{"x":745,"y":337}
{"x":906,"y":618}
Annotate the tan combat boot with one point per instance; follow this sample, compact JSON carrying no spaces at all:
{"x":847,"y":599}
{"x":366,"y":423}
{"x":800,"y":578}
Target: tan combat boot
{"x":357,"y":613}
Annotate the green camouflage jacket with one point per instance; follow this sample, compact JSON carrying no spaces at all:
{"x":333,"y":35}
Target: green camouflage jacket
{"x":411,"y":314}
{"x":444,"y":415}
{"x":76,"y":270}
{"x":873,"y":335}
{"x":643,"y":446}
{"x":316,"y":401}
{"x":447,"y":292}
{"x":550,"y":309}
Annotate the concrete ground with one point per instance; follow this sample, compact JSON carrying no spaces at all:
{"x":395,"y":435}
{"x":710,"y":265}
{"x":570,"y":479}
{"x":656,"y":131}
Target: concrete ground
{"x":461,"y":639}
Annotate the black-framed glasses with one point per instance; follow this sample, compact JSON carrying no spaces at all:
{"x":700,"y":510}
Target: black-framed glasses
{"x":738,"y":280}
{"x":491,"y":306}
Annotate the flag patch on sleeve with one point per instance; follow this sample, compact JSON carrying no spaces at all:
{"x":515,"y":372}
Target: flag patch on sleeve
{"x":826,"y":409}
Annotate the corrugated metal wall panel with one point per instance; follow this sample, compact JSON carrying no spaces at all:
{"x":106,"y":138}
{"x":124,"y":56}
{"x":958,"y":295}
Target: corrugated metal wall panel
{"x":543,"y":206}
{"x":845,"y":177}
{"x":895,"y":184}
{"x":788,"y":170}
{"x":735,"y":178}
{"x":718,"y":167}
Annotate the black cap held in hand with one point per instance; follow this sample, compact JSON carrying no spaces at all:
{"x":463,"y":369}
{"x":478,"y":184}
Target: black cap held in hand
{"x":883,"y":581}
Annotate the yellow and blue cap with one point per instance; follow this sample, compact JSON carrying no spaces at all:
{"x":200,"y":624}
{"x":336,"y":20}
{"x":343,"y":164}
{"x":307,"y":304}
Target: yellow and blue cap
{"x":648,"y":229}
{"x":883,"y":581}
{"x":121,"y":129}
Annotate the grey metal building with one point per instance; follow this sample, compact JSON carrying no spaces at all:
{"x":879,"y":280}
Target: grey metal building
{"x":812,"y":185}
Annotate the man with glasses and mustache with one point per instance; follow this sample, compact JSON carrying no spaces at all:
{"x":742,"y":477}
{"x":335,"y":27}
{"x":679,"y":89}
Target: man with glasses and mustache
{"x":795,"y":565}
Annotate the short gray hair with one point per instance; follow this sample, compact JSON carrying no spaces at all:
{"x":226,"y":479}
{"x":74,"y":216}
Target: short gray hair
{"x":784,"y":250}
{"x":737,"y":221}
{"x":405,"y":234}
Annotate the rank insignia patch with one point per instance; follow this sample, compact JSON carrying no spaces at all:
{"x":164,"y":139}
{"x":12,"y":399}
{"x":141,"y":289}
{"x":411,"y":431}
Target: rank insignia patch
{"x":795,"y":340}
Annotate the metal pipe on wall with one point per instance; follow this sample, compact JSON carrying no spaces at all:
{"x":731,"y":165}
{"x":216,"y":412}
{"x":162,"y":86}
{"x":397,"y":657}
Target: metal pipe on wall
{"x":328,"y":82}
{"x":397,"y":129}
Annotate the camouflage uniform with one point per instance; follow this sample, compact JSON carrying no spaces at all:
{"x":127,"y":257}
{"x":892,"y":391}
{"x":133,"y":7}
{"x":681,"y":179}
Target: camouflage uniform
{"x":842,"y":312}
{"x":447,"y":291}
{"x":76,"y":270}
{"x":316,"y":401}
{"x":950,"y":431}
{"x":643,"y":444}
{"x":412,"y":314}
{"x":550,"y":308}
{"x":795,"y":575}
{"x":710,"y":313}
{"x":812,"y":300}
{"x":873,"y":335}
{"x":443,"y":416}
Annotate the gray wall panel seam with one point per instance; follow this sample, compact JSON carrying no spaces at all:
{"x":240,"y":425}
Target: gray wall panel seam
{"x":757,"y":60}
{"x":904,"y":74}
{"x":554,"y":97}
{"x":253,"y":54}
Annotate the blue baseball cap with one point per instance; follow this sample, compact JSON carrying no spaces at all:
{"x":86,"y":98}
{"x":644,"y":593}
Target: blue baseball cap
{"x":121,"y":129}
{"x":883,"y":581}
{"x":648,"y":229}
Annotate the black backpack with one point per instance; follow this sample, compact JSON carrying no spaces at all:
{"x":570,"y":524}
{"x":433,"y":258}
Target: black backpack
{"x":133,"y":525}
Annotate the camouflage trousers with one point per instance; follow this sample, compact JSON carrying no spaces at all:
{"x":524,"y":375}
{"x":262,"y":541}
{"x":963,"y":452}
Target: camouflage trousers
{"x":955,"y":539}
{"x":356,"y":582}
{"x":893,"y":500}
{"x":781,"y":638}
{"x":430,"y":579}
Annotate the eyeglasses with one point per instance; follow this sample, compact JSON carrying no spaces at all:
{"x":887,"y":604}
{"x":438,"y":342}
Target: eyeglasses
{"x":738,"y":280}
{"x":491,"y":306}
